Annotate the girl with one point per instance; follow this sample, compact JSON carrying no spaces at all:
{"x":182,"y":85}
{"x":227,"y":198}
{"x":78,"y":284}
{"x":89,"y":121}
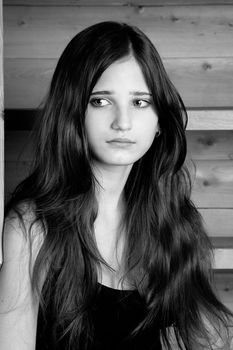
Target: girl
{"x":103,"y":247}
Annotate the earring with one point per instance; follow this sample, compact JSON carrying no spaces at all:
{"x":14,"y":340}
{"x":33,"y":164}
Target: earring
{"x":157,"y":133}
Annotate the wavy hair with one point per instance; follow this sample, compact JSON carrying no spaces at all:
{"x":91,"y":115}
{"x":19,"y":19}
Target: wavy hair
{"x":167,"y":254}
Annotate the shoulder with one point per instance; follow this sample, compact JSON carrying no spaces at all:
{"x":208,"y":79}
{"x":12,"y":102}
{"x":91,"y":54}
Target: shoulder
{"x":22,"y":235}
{"x":22,"y":240}
{"x":18,"y":302}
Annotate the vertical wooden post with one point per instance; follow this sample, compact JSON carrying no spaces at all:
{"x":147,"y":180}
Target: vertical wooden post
{"x":1,"y":135}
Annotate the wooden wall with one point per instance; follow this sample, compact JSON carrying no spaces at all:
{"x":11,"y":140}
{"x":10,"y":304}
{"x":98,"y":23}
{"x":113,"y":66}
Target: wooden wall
{"x":195,"y":40}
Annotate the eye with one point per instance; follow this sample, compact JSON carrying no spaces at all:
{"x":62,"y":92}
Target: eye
{"x":99,"y":102}
{"x":141,"y":103}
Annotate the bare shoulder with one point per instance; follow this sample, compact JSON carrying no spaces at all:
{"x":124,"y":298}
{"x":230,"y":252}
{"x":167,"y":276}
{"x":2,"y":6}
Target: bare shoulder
{"x":22,"y":233}
{"x":18,"y":303}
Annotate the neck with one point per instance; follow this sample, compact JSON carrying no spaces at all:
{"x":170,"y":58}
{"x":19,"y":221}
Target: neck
{"x":109,"y":238}
{"x":110,"y":186}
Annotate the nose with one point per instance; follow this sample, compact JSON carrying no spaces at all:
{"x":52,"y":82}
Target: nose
{"x":122,"y":119}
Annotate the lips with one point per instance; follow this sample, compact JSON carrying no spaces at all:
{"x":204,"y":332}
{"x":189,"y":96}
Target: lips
{"x":121,"y":140}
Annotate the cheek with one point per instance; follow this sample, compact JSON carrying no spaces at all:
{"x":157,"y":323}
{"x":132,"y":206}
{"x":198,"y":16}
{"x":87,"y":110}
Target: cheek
{"x":94,"y":138}
{"x":91,"y":128}
{"x":95,"y":123}
{"x":149,"y":127}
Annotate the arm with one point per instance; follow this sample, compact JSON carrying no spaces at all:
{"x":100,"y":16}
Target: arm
{"x":18,"y":305}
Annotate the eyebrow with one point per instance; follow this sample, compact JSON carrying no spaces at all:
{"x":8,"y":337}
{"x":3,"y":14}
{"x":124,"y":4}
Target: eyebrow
{"x":109,"y":92}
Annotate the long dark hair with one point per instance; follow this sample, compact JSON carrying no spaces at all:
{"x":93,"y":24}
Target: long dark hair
{"x":167,"y":253}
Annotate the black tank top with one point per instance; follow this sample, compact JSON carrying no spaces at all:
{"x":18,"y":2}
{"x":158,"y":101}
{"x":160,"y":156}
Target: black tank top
{"x":115,"y":315}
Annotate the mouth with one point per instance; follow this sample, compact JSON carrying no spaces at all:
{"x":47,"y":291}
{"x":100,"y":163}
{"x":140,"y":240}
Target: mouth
{"x":121,"y":141}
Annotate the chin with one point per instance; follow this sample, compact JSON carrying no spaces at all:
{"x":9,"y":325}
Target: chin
{"x":110,"y":160}
{"x":121,"y":162}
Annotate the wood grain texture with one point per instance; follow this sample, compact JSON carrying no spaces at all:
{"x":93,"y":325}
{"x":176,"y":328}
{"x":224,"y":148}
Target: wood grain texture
{"x":115,"y":2}
{"x":177,"y":31}
{"x":210,"y":145}
{"x":203,"y":82}
{"x":219,"y":222}
{"x":213,"y":186}
{"x":223,"y":283}
{"x":210,"y":120}
{"x":223,"y":259}
{"x":222,"y":242}
{"x":27,"y":81}
{"x":200,"y":82}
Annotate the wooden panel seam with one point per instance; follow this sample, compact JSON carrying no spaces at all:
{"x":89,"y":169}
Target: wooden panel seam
{"x":90,"y":3}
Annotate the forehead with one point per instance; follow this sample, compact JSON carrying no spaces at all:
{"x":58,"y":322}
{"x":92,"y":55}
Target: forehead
{"x":122,"y":74}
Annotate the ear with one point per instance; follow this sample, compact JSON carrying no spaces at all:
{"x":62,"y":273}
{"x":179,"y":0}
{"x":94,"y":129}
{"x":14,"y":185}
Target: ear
{"x":158,"y":132}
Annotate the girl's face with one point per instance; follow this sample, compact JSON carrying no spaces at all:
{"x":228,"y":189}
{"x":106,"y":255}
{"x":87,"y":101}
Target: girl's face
{"x":120,"y":119}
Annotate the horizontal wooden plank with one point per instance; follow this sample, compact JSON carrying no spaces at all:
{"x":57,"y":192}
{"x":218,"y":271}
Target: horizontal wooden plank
{"x":177,"y":31}
{"x":222,"y":242}
{"x":210,"y":144}
{"x":223,"y":283}
{"x":202,"y":145}
{"x":26,"y":81}
{"x":213,"y":186}
{"x":223,"y":259}
{"x":210,"y":120}
{"x":200,"y":82}
{"x":114,"y":2}
{"x":218,"y":222}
